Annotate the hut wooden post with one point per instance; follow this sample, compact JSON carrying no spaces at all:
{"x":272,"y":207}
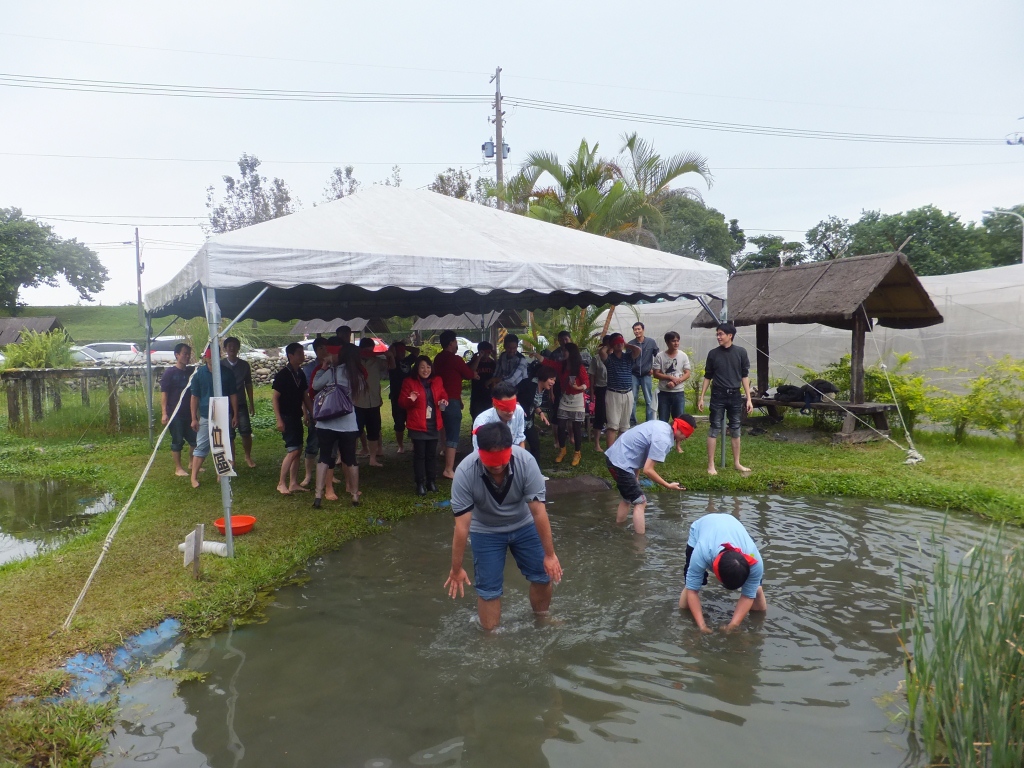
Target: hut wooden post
{"x":860,"y":328}
{"x":114,"y":423}
{"x":762,"y":358}
{"x":57,"y":399}
{"x":85,"y":391}
{"x":13,"y":406}
{"x":37,"y":384}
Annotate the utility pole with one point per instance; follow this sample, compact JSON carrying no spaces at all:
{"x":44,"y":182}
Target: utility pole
{"x":145,"y":323}
{"x":499,"y":141}
{"x":138,"y":276}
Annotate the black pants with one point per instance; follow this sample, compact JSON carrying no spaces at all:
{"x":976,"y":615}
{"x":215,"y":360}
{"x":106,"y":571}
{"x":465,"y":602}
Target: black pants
{"x":533,"y":441}
{"x":424,"y":458}
{"x":577,"y":433}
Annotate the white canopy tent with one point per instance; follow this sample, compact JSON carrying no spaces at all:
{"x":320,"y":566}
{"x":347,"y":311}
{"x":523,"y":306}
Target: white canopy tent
{"x":387,"y":251}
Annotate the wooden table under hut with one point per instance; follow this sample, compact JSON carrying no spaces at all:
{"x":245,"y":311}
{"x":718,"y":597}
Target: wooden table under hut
{"x":851,"y":293}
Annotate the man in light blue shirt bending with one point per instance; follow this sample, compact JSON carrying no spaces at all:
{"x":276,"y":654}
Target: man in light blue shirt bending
{"x":721,"y":543}
{"x":507,"y":410}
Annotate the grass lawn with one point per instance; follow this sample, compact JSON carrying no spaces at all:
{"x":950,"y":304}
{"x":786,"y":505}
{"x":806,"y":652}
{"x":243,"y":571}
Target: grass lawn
{"x":143,"y":580}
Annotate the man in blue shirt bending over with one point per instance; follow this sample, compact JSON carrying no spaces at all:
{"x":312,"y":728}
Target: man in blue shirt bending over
{"x":721,"y":543}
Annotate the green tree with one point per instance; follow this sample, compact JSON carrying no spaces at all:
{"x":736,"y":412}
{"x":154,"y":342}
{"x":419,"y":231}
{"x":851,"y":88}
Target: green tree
{"x":829,"y":239}
{"x":454,"y":183}
{"x":941,"y":243}
{"x":691,"y":229}
{"x":248,"y":200}
{"x":773,"y":251}
{"x":341,"y":183}
{"x":1003,"y":239}
{"x":31,"y":254}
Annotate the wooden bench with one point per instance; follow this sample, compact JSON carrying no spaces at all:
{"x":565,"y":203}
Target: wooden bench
{"x":854,"y":415}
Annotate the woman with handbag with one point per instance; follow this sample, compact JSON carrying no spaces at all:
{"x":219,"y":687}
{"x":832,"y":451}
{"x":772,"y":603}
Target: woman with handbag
{"x":337,"y":379}
{"x":423,"y":398}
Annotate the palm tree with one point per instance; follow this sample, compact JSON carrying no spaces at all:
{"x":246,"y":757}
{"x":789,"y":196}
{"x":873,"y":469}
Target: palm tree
{"x":648,"y":176}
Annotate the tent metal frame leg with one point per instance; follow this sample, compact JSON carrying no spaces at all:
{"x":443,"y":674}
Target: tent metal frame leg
{"x":213,"y":321}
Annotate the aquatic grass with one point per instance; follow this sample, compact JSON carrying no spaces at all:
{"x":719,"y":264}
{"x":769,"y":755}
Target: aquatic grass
{"x":965,"y":663}
{"x":69,"y":734}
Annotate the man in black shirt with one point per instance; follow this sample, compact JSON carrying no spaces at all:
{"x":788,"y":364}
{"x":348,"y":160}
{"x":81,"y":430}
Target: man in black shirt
{"x":291,"y":400}
{"x":480,"y":389}
{"x":727,"y":370}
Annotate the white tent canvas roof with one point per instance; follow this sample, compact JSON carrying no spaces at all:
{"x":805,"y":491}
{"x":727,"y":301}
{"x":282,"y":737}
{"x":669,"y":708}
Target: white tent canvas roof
{"x":388,"y":251}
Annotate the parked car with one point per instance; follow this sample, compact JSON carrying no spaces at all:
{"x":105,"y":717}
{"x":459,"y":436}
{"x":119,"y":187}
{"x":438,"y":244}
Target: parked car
{"x":252,"y":354}
{"x":379,"y":347}
{"x":161,"y":349}
{"x":467,"y":348}
{"x":119,"y":352}
{"x":85,"y":356}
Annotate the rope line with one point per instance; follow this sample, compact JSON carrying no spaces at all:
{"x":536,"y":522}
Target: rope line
{"x":124,"y":510}
{"x":885,"y":370}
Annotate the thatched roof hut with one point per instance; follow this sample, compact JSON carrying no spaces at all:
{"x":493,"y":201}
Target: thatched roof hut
{"x":847,"y":293}
{"x":328,"y":327}
{"x":11,"y":328}
{"x":468,"y":321}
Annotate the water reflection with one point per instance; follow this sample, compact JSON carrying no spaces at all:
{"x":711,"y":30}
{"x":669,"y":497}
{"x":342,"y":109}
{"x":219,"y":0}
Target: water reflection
{"x":39,"y":514}
{"x":370,"y":664}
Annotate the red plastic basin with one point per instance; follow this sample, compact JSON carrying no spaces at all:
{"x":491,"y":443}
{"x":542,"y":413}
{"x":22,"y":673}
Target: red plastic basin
{"x":239,"y":524}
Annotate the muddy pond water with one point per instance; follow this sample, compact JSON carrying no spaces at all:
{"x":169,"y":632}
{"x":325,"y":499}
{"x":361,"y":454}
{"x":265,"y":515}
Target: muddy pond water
{"x":369,"y":664}
{"x":38,"y":514}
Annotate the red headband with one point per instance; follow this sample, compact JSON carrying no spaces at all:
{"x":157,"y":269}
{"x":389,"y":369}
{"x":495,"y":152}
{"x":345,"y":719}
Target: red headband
{"x":333,"y":350}
{"x":495,"y":458}
{"x":683,"y":426}
{"x":616,"y":338}
{"x":208,"y":354}
{"x":508,"y":405}
{"x":730,"y":548}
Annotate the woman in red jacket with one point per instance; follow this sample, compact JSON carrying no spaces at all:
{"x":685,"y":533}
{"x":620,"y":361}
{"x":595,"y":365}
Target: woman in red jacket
{"x":423,"y":398}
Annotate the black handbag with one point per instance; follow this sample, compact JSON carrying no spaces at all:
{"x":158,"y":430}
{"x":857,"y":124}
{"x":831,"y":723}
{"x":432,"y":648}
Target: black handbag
{"x":332,"y":401}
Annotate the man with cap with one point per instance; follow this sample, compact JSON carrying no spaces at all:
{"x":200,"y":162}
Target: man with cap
{"x":505,"y":409}
{"x":498,"y":496}
{"x":202,"y":391}
{"x":619,"y":395}
{"x":638,"y":449}
{"x":721,"y":543}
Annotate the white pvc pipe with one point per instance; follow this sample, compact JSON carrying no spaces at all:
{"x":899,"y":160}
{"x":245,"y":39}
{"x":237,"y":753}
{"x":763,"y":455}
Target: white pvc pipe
{"x":210,"y":548}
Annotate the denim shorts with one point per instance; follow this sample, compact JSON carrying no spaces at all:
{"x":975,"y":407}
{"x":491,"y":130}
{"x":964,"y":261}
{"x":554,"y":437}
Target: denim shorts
{"x":181,"y":433}
{"x":489,"y":558}
{"x":627,"y":484}
{"x":202,"y":449}
{"x":292,"y":433}
{"x":452,"y":417}
{"x":722,"y":406}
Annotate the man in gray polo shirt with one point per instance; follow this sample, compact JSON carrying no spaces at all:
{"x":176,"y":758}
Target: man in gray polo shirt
{"x":498,"y":497}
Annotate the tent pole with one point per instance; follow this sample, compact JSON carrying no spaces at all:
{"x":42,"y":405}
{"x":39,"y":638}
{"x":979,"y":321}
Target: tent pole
{"x":722,"y":318}
{"x":213,"y":320}
{"x":241,"y":315}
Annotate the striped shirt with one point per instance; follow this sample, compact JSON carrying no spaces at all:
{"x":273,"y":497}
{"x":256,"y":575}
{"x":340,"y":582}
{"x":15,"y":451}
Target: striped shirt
{"x":620,"y":372}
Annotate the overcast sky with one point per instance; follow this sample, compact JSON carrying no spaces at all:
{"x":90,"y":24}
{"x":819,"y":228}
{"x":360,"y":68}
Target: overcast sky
{"x":937,"y":69}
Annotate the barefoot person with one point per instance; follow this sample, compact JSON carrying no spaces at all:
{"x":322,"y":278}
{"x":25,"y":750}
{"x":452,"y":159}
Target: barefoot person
{"x":246,"y":403}
{"x":721,"y":543}
{"x":291,"y":403}
{"x":341,"y":368}
{"x":368,"y":400}
{"x":638,"y":449}
{"x":498,"y":496}
{"x":453,"y":371}
{"x":619,"y":395}
{"x":173,"y":382}
{"x":312,"y":446}
{"x":727,"y":371}
{"x":202,"y":391}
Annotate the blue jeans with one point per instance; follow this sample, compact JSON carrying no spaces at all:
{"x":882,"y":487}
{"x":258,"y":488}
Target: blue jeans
{"x":645,"y":382}
{"x":727,"y":404}
{"x":671,"y":405}
{"x":452,"y":418}
{"x":489,"y":558}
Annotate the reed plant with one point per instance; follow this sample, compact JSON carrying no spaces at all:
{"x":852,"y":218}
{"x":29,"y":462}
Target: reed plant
{"x":965,"y":659}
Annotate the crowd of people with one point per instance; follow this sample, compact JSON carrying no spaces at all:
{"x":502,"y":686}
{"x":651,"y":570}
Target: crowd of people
{"x":567,"y":389}
{"x":328,"y":408}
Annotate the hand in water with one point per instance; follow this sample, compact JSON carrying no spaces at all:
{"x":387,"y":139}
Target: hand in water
{"x":553,"y":568}
{"x":675,"y":487}
{"x":727,"y":629}
{"x":457,"y":581}
{"x":706,"y":630}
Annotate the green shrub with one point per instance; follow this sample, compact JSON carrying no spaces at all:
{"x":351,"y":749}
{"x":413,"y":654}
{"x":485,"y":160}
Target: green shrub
{"x":39,"y":350}
{"x":1007,"y":392}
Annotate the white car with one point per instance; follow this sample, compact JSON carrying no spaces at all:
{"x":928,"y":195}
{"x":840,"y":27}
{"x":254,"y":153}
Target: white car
{"x":82,"y":355}
{"x":467,"y":348}
{"x":118,"y":352}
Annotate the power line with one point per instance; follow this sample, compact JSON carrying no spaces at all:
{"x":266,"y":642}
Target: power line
{"x":761,"y":130}
{"x":216,"y":160}
{"x":217,"y":92}
{"x":263,"y":94}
